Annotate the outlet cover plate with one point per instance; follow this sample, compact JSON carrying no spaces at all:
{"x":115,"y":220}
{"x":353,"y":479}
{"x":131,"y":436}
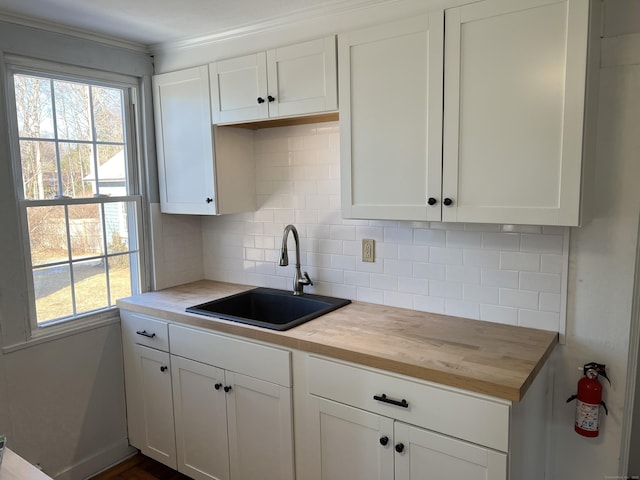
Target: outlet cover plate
{"x":368,"y":250}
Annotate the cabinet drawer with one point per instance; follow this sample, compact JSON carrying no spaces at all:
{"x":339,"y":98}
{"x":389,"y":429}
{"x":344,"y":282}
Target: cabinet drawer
{"x":252,"y":359}
{"x":468,"y":417}
{"x":143,"y":330}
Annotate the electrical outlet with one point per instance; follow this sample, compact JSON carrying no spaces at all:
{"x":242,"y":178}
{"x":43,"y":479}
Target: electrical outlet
{"x":368,"y":250}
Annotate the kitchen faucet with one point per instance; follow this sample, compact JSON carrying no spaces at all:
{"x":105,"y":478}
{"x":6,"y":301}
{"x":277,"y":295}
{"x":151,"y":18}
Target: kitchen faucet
{"x":299,"y":281}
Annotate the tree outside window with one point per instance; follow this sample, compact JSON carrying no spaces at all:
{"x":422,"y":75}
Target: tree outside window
{"x":80,"y":206}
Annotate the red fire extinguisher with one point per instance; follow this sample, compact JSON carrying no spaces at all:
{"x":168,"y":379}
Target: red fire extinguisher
{"x":589,"y":400}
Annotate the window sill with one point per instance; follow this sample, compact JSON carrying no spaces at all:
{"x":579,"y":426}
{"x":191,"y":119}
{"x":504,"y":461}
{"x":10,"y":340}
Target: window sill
{"x":73,"y":327}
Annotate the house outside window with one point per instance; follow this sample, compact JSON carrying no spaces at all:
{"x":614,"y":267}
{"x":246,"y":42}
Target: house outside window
{"x":75,"y":169}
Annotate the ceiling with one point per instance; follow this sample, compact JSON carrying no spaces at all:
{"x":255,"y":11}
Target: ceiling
{"x":152,"y":22}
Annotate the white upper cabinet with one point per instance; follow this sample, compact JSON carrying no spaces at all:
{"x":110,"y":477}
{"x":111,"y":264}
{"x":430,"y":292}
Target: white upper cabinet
{"x":390,"y":80}
{"x":499,"y":141}
{"x":201,"y":170}
{"x":294,"y":80}
{"x":514,"y":106}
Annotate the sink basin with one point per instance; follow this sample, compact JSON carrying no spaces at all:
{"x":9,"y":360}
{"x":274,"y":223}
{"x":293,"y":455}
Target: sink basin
{"x":269,"y":308}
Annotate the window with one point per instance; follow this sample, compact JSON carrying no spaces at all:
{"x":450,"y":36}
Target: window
{"x":78,"y":198}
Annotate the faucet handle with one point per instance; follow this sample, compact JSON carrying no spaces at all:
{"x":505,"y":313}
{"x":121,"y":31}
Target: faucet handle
{"x":306,"y":280}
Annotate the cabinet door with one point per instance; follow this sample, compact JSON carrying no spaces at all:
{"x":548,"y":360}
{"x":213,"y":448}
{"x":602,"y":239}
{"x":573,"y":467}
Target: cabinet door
{"x":201,"y":419}
{"x":154,"y":384}
{"x":302,"y":78}
{"x":184,"y":140}
{"x":239,"y":89}
{"x":260,"y":429}
{"x":354,"y":444}
{"x":390,"y":80}
{"x":514,"y":106}
{"x":429,"y":456}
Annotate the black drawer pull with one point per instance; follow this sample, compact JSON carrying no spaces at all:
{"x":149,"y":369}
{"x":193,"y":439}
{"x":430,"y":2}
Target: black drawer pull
{"x":144,"y":333}
{"x":383,"y":398}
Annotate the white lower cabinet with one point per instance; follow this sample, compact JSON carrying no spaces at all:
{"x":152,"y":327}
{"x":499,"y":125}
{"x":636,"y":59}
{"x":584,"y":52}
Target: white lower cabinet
{"x":212,"y":406}
{"x":154,"y":380}
{"x":360,"y":423}
{"x":387,"y":449}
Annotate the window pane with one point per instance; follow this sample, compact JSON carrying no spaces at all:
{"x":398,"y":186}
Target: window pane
{"x":76,"y":169}
{"x":117,"y":217}
{"x":85,"y":231}
{"x":39,"y":170}
{"x":53,"y":292}
{"x":107,"y":112}
{"x":120,"y":276}
{"x":90,"y":280}
{"x":72,"y":110}
{"x":33,"y":106}
{"x":112,"y":170}
{"x":47,"y":235}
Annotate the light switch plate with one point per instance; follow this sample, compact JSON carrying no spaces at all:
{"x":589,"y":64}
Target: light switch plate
{"x":368,"y":250}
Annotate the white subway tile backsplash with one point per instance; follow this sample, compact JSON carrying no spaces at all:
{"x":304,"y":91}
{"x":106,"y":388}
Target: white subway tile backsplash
{"x":518,"y":298}
{"x":550,"y":302}
{"x":418,"y":253}
{"x":445,"y":289}
{"x":482,"y":258}
{"x":398,"y":235}
{"x":459,"y":308}
{"x":480,"y":294}
{"x":430,"y":271}
{"x":447,"y":256}
{"x":400,"y":268}
{"x":499,"y":314}
{"x":398,"y":299}
{"x":357,"y":279}
{"x":436,"y":238}
{"x":417,"y":286}
{"x":540,"y":282}
{"x":537,"y":319}
{"x":384,"y":282}
{"x":501,"y":241}
{"x":463,"y":239}
{"x":499,"y":278}
{"x":370,"y":295}
{"x":463,"y":274}
{"x":542,"y":243}
{"x":425,"y":303}
{"x":504,"y":273}
{"x":552,"y":263}
{"x":524,"y":262}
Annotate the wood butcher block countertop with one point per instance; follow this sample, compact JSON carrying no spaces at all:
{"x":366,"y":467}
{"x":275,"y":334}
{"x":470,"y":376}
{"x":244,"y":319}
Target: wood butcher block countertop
{"x":489,"y":358}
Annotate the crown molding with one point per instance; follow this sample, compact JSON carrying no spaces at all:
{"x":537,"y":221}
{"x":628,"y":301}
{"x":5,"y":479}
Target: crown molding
{"x":73,"y":32}
{"x":272,"y":24}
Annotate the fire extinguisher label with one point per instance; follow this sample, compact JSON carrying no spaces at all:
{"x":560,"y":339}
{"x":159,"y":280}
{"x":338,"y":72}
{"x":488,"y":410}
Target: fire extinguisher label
{"x":587,"y":416}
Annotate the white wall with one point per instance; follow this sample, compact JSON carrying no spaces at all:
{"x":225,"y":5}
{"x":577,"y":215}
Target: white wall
{"x":298,"y":184}
{"x":502,"y":273}
{"x":61,"y":401}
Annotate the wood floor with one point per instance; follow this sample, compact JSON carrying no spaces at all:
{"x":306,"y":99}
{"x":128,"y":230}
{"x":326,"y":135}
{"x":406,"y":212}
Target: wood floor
{"x":140,"y":467}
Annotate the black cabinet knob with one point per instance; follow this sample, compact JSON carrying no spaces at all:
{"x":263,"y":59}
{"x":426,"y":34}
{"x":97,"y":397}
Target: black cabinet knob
{"x":227,"y":388}
{"x":384,"y":441}
{"x":260,"y":100}
{"x":164,"y":368}
{"x":209,"y":199}
{"x":271,"y":99}
{"x":400,"y":447}
{"x":217,"y":386}
{"x":447,"y":202}
{"x":432,"y":201}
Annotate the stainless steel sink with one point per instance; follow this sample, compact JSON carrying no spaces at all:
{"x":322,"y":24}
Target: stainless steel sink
{"x":269,"y":308}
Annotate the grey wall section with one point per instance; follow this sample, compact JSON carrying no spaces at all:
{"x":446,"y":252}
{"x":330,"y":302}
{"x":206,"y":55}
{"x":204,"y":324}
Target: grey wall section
{"x":61,"y":401}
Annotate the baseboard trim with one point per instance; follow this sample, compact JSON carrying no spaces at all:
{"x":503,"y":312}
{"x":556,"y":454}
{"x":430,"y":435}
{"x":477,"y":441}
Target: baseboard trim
{"x":98,"y":462}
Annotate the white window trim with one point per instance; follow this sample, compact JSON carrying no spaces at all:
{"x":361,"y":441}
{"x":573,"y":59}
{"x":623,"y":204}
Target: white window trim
{"x":36,"y":334}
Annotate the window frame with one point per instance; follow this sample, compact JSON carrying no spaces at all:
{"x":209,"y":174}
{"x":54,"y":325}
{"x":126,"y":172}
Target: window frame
{"x":132,"y":127}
